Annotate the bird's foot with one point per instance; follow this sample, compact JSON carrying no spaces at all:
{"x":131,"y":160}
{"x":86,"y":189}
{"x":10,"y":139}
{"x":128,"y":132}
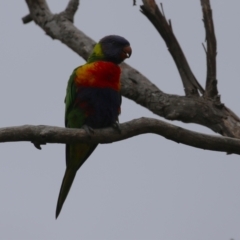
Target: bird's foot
{"x":116,"y":126}
{"x":88,"y":129}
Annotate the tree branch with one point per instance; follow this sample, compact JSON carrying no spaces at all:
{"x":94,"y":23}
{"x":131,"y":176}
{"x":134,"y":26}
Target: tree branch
{"x":211,"y":82}
{"x":157,"y":18}
{"x":48,"y":134}
{"x":136,"y":86}
{"x":27,"y":19}
{"x":71,"y":9}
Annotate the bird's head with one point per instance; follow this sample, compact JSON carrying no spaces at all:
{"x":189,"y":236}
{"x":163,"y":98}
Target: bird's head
{"x":111,"y":48}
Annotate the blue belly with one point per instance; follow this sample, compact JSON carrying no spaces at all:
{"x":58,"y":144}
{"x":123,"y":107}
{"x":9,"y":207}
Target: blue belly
{"x":102,"y":106}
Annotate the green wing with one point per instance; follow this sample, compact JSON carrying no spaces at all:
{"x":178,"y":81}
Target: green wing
{"x":70,"y":96}
{"x":74,"y":117}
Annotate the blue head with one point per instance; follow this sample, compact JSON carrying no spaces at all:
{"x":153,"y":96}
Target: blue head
{"x":111,"y":48}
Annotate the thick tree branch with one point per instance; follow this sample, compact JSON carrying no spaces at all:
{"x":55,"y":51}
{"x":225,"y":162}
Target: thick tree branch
{"x":211,"y":82}
{"x":157,"y":18}
{"x":47,"y":134}
{"x":57,"y":26}
{"x":137,"y":87}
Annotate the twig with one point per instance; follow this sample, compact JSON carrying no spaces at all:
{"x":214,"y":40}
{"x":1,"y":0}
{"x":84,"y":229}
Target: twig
{"x":211,"y":81}
{"x":27,"y":19}
{"x":49,"y":134}
{"x":204,"y":48}
{"x":153,"y":13}
{"x":162,"y":10}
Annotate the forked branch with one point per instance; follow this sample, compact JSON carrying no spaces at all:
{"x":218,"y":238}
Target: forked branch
{"x":157,"y":18}
{"x":135,"y":85}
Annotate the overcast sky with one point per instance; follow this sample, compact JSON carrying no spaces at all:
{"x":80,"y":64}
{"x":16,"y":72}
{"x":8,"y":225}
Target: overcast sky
{"x":146,"y":187}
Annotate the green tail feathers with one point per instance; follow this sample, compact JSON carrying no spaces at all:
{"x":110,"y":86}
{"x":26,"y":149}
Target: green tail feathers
{"x":76,"y":155}
{"x":66,"y":185}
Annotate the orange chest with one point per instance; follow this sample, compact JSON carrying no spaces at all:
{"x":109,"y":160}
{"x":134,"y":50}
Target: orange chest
{"x":99,"y":74}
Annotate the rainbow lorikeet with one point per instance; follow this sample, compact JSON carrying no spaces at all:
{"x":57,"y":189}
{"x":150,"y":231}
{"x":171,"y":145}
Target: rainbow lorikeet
{"x":93,"y":100}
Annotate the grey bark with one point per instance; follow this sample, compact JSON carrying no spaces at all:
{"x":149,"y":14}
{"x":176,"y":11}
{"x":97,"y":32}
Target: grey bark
{"x":201,"y":106}
{"x":40,"y":135}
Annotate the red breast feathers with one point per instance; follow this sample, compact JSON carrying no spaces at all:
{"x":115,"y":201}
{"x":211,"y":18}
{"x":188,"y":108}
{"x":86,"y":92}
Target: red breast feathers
{"x":98,"y":74}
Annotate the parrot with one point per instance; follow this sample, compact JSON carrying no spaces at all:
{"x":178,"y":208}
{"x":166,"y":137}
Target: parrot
{"x":92,"y":101}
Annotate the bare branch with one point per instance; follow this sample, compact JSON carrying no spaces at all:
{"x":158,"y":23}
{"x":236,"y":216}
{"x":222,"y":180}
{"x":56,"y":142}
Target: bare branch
{"x":157,"y":18}
{"x":136,"y":86}
{"x":71,"y":9}
{"x":57,"y":27}
{"x":42,"y":12}
{"x":49,"y":134}
{"x":211,"y":82}
{"x":27,"y":19}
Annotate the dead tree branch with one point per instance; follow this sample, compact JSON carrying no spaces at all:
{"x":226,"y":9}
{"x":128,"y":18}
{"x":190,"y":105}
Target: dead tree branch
{"x":71,"y":9}
{"x":211,"y":81}
{"x":157,"y":18}
{"x":135,"y":86}
{"x":27,"y":19}
{"x":48,"y":134}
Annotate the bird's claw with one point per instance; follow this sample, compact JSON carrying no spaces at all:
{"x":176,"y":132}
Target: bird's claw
{"x":116,"y":126}
{"x":88,"y":129}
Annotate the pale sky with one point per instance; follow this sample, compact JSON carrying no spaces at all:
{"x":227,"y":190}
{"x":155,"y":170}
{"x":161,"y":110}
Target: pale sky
{"x":146,"y":187}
